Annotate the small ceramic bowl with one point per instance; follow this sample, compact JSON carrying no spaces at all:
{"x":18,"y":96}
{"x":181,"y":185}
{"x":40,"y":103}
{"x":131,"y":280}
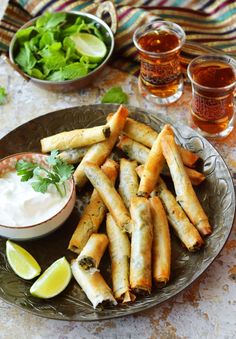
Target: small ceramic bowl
{"x":45,"y":226}
{"x":69,"y":85}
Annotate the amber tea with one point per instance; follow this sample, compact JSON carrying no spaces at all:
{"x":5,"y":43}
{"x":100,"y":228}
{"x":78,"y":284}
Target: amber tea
{"x":159,"y":49}
{"x":161,"y":76}
{"x":213,"y":83}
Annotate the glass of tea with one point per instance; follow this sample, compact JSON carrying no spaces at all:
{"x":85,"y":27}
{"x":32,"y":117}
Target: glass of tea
{"x":213,"y":80}
{"x":159,"y":44}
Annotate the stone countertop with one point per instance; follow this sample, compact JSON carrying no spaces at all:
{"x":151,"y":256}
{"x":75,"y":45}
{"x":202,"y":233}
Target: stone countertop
{"x":206,"y":310}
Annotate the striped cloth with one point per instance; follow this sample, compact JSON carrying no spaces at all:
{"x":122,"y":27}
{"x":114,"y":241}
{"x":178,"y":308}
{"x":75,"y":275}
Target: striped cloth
{"x":208,"y":24}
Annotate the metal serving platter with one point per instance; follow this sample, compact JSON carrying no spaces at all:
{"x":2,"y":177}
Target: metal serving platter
{"x":216,"y":195}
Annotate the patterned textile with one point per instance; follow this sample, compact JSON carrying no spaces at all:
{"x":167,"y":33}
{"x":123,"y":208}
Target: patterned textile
{"x":209,"y":23}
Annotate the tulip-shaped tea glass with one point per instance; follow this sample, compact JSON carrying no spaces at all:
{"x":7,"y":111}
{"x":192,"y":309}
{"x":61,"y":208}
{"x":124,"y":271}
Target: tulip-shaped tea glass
{"x":213,"y":80}
{"x":159,"y":44}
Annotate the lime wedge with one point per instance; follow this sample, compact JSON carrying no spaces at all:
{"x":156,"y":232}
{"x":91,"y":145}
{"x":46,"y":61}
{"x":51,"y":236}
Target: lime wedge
{"x":21,"y":261}
{"x":89,"y":45}
{"x":53,"y":281}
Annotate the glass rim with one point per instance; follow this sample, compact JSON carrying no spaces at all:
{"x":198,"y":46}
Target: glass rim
{"x":206,"y":57}
{"x":154,"y":54}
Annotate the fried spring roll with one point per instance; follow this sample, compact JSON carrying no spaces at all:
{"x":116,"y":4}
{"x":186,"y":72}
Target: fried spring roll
{"x":153,"y":165}
{"x":184,"y":229}
{"x":185,"y":193}
{"x":109,"y":195}
{"x":161,"y":248}
{"x":134,"y":150}
{"x":196,"y":177}
{"x":74,"y":155}
{"x":93,"y":251}
{"x":93,"y":285}
{"x":75,"y":138}
{"x":119,"y":248}
{"x":141,"y":246}
{"x":146,"y":135}
{"x":97,"y":153}
{"x":94,"y":212}
{"x":129,"y":182}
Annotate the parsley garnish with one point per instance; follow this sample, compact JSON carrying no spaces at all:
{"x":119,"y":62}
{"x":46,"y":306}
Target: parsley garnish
{"x":56,"y":174}
{"x":115,"y":95}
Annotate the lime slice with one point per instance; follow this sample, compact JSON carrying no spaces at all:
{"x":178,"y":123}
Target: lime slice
{"x":21,"y":261}
{"x":89,"y":45}
{"x":53,"y":281}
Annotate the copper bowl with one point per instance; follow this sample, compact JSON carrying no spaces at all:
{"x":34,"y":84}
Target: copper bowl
{"x":69,"y":85}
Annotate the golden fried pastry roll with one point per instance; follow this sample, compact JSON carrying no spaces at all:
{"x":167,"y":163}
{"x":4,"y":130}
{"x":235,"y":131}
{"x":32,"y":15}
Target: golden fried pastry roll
{"x":184,"y":229}
{"x":109,"y":195}
{"x":74,"y":155}
{"x":94,"y":212}
{"x":161,"y":247}
{"x":196,"y":177}
{"x":76,"y":138}
{"x":153,"y":165}
{"x":146,"y":135}
{"x":134,"y":150}
{"x":97,"y":153}
{"x":141,"y":246}
{"x":93,"y":251}
{"x":129,"y":182}
{"x":93,"y":285}
{"x":119,"y":248}
{"x":185,"y":193}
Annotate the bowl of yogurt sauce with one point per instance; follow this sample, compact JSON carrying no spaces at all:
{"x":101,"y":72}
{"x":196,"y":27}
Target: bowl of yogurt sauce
{"x":25,"y":213}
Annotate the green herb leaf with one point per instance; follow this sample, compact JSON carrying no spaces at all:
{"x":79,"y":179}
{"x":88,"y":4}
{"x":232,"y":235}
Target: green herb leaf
{"x":75,"y":70}
{"x":50,"y":20}
{"x":3,"y":95}
{"x":25,"y":57}
{"x":25,"y":169}
{"x":24,"y":35}
{"x":56,"y":174}
{"x":115,"y":95}
{"x":41,"y":185}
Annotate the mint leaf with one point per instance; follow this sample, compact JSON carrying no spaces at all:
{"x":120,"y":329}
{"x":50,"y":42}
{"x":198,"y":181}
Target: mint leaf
{"x":3,"y":95}
{"x":46,"y":39}
{"x":36,"y":73}
{"x":50,"y":20}
{"x":25,"y":58}
{"x":23,"y":35}
{"x":56,"y":76}
{"x":75,"y":70}
{"x":55,"y":61}
{"x":115,"y":95}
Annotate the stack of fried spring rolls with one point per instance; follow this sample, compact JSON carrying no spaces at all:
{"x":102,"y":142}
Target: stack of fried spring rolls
{"x":90,"y":279}
{"x":128,"y":190}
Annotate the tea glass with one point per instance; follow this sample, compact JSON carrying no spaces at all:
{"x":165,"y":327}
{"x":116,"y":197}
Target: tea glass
{"x":159,"y":44}
{"x":213,"y":80}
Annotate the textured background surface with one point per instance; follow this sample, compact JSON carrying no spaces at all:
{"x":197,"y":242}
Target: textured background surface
{"x":206,"y":310}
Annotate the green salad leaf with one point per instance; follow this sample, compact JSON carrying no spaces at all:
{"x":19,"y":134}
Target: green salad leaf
{"x":46,"y":50}
{"x":115,"y":95}
{"x":3,"y":95}
{"x":57,"y":172}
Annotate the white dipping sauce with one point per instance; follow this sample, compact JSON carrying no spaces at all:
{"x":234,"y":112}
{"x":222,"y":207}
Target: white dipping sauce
{"x":20,"y":205}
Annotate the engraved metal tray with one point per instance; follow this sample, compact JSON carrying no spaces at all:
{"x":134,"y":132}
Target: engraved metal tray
{"x":216,"y":195}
